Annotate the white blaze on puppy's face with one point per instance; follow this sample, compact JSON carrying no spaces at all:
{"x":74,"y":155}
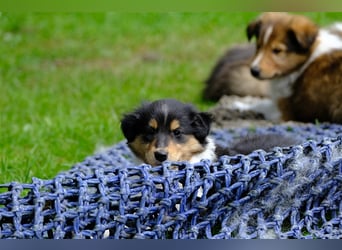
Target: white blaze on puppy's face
{"x":260,"y":54}
{"x":268,"y":34}
{"x":165,"y":111}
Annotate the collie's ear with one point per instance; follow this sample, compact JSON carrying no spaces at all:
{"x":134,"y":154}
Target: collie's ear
{"x":253,"y":29}
{"x":302,"y":32}
{"x":201,"y":122}
{"x":130,"y":125}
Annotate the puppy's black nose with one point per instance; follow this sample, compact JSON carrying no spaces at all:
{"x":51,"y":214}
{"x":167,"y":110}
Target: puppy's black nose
{"x":255,"y":71}
{"x":160,"y":155}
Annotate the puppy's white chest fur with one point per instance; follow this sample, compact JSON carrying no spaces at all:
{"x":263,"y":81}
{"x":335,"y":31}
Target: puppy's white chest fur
{"x":208,"y":153}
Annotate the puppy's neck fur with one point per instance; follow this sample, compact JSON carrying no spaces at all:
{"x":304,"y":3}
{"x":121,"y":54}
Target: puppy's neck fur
{"x":208,"y":153}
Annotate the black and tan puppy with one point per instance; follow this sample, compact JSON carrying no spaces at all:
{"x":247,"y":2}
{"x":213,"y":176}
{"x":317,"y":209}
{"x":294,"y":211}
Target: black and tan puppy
{"x":168,"y":130}
{"x":171,"y":130}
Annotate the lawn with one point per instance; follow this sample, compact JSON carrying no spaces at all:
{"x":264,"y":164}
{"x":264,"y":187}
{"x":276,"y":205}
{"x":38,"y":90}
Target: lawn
{"x":66,"y":79}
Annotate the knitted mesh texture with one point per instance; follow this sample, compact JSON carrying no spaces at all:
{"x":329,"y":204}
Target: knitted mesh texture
{"x":293,"y":192}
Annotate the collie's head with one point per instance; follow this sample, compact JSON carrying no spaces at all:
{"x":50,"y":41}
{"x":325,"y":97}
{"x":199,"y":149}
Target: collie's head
{"x":284,"y":43}
{"x":166,"y":130}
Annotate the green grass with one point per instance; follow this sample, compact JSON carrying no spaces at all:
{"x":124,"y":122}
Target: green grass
{"x":66,"y":79}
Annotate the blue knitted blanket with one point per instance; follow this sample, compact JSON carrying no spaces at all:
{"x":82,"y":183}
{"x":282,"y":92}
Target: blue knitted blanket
{"x":292,"y":192}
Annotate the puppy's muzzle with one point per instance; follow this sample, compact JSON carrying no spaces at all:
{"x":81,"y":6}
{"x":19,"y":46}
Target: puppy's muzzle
{"x":160,"y":155}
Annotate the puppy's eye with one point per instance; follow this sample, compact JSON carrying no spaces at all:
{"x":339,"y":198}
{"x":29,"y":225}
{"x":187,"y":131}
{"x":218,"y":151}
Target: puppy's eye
{"x":149,"y":134}
{"x":177,"y":133}
{"x":276,"y":51}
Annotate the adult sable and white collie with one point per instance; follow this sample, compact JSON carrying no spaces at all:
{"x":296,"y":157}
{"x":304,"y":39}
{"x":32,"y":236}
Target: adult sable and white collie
{"x":304,"y":63}
{"x":170,"y":130}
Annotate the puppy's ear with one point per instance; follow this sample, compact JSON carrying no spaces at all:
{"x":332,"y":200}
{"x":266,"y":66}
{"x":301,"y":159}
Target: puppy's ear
{"x":201,"y":123}
{"x":129,"y":126}
{"x":302,"y":32}
{"x":253,"y":29}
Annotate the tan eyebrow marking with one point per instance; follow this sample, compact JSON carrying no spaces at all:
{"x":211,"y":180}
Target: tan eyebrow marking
{"x":153,"y":123}
{"x":174,"y":125}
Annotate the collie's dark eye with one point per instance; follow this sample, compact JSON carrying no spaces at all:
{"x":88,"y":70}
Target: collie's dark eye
{"x":149,"y":134}
{"x":276,"y":51}
{"x":177,"y":133}
{"x":148,"y":138}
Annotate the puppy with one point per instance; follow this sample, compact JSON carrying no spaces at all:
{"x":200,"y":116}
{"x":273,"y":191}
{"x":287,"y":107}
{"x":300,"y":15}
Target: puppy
{"x":168,"y":130}
{"x":304,"y":64}
{"x":174,"y":131}
{"x":231,"y":76}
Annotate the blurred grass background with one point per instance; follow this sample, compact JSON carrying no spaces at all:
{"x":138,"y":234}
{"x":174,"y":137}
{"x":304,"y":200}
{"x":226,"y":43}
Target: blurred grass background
{"x":66,"y":79}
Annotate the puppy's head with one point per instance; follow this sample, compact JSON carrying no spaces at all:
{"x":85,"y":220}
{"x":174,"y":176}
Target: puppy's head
{"x":166,"y":130}
{"x":284,"y":43}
